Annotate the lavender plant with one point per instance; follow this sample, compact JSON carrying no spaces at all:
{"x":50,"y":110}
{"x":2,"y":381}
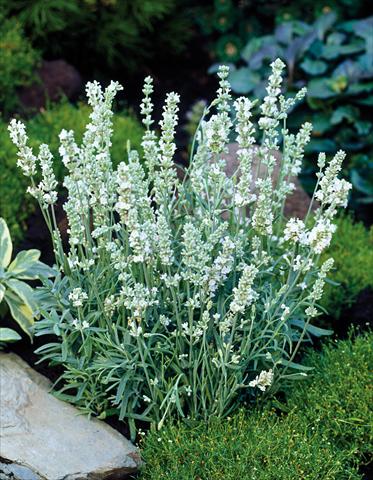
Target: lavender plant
{"x":176,"y":297}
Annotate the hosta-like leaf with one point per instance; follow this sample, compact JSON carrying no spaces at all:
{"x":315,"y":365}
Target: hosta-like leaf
{"x":8,"y":335}
{"x":2,"y":292}
{"x":323,"y":23}
{"x":321,"y":124}
{"x":349,"y":69}
{"x":345,"y":112}
{"x":23,"y":261}
{"x":24,"y":291}
{"x":320,"y":88}
{"x":21,"y":312}
{"x":363,"y":127}
{"x":284,"y":32}
{"x":252,"y":46}
{"x":321,"y":145}
{"x":336,"y":38}
{"x":314,"y":67}
{"x":26,"y":266}
{"x":243,"y":80}
{"x":361,"y":184}
{"x":330,"y":52}
{"x":6,"y":246}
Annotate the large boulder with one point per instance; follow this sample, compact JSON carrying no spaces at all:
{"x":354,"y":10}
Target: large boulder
{"x":43,"y":438}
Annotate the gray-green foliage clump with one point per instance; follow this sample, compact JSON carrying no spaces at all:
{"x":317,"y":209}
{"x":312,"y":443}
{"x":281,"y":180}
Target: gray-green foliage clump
{"x":172,"y":301}
{"x":15,"y":205}
{"x":324,"y":430}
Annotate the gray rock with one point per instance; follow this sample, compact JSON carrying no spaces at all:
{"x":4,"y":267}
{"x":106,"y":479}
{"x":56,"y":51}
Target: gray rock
{"x":43,"y":438}
{"x":297,"y":203}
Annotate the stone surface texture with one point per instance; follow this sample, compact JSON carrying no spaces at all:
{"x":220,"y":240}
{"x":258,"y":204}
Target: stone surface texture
{"x":296,"y":204}
{"x":44,"y":438}
{"x":55,"y":78}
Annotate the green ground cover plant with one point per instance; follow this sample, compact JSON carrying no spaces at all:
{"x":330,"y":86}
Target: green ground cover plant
{"x":15,"y":205}
{"x":171,"y":300}
{"x":323,"y":430}
{"x":352,"y":250}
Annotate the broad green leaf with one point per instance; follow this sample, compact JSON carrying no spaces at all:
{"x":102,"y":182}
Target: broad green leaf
{"x":243,"y":80}
{"x":330,"y":52}
{"x":321,"y":124}
{"x":21,"y":312}
{"x":345,"y":112}
{"x":6,"y":246}
{"x":23,"y":261}
{"x":336,"y":38}
{"x":2,"y":292}
{"x":320,"y":88}
{"x":8,"y":335}
{"x":357,"y":88}
{"x":37,"y":271}
{"x":26,"y":266}
{"x":363,"y":127}
{"x":252,"y":46}
{"x":314,"y":67}
{"x":321,"y":145}
{"x":366,"y":101}
{"x":323,"y":23}
{"x":360,"y":183}
{"x":24,"y":291}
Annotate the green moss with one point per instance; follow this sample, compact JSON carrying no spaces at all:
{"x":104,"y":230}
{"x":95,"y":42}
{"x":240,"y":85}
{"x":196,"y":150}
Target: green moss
{"x":323,"y":432}
{"x":16,"y":205}
{"x":352,"y":250}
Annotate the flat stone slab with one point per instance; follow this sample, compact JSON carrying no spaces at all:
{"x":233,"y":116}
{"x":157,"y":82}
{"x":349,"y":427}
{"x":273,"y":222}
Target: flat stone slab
{"x":43,"y":438}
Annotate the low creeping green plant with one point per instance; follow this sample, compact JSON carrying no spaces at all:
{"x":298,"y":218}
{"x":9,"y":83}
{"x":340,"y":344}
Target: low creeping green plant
{"x":17,"y":294}
{"x":178,"y":297}
{"x":323,"y":430}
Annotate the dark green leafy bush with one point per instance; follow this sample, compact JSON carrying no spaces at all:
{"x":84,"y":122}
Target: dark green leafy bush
{"x":17,"y":62}
{"x":335,"y":62}
{"x":16,"y":205}
{"x":324,"y":431}
{"x":114,"y":33}
{"x":352,"y":250}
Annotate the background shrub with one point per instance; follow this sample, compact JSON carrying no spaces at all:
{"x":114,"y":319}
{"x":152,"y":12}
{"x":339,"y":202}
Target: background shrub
{"x":17,"y":62}
{"x":324,"y":430}
{"x":334,"y":61}
{"x":229,"y":24}
{"x":116,"y":35}
{"x":352,"y":250}
{"x":16,"y":205}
